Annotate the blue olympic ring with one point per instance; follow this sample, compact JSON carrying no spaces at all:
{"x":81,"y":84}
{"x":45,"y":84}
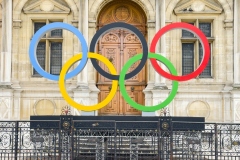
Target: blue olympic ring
{"x":49,"y":27}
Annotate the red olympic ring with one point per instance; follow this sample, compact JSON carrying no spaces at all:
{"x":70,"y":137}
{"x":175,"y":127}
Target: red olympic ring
{"x":200,"y":35}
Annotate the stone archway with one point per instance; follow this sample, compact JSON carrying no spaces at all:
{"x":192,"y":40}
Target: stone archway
{"x":98,"y":5}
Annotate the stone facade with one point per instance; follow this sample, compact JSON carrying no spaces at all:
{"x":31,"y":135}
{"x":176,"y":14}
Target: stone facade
{"x":216,"y":98}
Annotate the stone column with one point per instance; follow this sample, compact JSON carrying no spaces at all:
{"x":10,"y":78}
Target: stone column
{"x":236,"y":43}
{"x":82,"y":94}
{"x":155,"y":80}
{"x":6,"y":51}
{"x":160,"y":48}
{"x":83,"y":27}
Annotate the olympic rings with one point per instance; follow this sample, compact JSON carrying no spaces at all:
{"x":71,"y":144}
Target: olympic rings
{"x":129,"y":100}
{"x":138,"y":34}
{"x":65,"y":95}
{"x":203,"y":40}
{"x":37,"y":37}
{"x":113,"y":74}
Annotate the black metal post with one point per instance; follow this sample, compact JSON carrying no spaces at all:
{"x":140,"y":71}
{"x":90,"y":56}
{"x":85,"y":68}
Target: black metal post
{"x":159,"y":147}
{"x":171,"y":140}
{"x":60,"y":141}
{"x":115,"y":140}
{"x":216,"y":141}
{"x":16,"y":140}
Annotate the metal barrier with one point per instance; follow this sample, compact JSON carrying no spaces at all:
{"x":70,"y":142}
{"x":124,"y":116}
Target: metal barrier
{"x":109,"y":140}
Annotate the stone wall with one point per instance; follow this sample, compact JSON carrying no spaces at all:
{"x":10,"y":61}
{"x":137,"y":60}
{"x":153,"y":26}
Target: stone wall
{"x":216,"y":98}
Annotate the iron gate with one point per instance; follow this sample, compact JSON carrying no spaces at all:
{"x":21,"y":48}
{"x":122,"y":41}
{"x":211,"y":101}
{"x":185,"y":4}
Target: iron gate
{"x":113,"y":140}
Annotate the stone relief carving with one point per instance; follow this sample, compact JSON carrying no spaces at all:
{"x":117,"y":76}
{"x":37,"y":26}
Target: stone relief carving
{"x":198,"y":109}
{"x":4,"y":108}
{"x":197,"y":6}
{"x":46,"y":6}
{"x":44,"y":107}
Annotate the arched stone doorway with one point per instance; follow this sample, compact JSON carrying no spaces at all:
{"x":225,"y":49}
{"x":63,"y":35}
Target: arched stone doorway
{"x":118,"y":45}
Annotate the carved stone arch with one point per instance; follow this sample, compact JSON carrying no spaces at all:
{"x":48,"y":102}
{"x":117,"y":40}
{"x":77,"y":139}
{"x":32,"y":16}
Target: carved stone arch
{"x":224,"y":3}
{"x":99,"y":4}
{"x":18,"y":8}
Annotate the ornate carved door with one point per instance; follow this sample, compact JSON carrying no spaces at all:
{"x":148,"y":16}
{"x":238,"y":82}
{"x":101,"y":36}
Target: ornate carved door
{"x":118,"y":46}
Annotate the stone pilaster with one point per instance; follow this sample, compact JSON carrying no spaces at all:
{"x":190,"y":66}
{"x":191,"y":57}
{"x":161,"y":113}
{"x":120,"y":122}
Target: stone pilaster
{"x":236,"y":54}
{"x":228,"y":25}
{"x":16,"y":104}
{"x":84,"y":92}
{"x":6,"y":52}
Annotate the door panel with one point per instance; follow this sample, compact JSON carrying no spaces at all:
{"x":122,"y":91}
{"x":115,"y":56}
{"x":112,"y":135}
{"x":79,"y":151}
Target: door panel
{"x":118,"y":46}
{"x":135,"y":92}
{"x":113,"y":107}
{"x":111,"y":52}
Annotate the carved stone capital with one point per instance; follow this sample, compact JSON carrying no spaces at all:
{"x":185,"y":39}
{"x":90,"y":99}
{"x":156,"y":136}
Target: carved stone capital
{"x":17,"y":24}
{"x":151,"y":24}
{"x":168,"y":22}
{"x":75,"y":23}
{"x":228,"y":23}
{"x":92,"y":24}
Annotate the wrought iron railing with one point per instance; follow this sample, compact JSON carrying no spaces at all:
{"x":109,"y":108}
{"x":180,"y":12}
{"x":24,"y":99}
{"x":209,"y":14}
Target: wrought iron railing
{"x":113,"y":140}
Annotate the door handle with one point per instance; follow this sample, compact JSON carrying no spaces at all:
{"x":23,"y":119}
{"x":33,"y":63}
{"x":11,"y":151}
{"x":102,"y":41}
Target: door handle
{"x":132,"y":89}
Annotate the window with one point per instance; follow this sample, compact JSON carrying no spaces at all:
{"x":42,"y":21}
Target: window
{"x":49,"y":50}
{"x":192,"y":50}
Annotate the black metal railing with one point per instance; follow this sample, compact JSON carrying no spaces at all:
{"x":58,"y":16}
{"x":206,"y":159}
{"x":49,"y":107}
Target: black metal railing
{"x":114,"y":140}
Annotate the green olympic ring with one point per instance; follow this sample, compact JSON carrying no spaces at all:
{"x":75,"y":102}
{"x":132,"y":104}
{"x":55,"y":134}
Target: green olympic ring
{"x":129,"y":100}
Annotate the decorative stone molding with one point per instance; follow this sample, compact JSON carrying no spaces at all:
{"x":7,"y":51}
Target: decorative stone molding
{"x":92,"y":24}
{"x":46,"y":6}
{"x":17,"y":24}
{"x":151,"y":24}
{"x":75,"y":23}
{"x":197,"y":6}
{"x":228,"y":23}
{"x":224,"y":4}
{"x":19,"y":7}
{"x":168,"y":22}
{"x":202,"y":106}
{"x":36,"y":105}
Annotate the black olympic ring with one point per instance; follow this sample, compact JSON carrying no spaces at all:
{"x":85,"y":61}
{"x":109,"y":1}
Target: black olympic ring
{"x":132,"y":29}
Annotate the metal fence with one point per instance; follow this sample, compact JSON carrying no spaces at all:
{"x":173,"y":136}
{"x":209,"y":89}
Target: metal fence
{"x":109,"y":140}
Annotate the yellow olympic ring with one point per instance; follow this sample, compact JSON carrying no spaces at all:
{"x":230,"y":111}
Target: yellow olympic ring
{"x":74,"y":104}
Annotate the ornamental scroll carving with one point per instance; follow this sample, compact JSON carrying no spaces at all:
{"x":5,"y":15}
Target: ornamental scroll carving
{"x":131,"y":38}
{"x":110,"y":38}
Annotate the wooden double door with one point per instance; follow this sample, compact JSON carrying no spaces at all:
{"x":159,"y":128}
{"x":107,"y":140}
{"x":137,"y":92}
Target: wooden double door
{"x":118,"y":46}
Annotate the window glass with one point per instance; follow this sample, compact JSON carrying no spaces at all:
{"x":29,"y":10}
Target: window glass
{"x":207,"y":71}
{"x":205,"y":28}
{"x":186,"y":33}
{"x":41,"y":49}
{"x":56,"y":58}
{"x":187,"y":58}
